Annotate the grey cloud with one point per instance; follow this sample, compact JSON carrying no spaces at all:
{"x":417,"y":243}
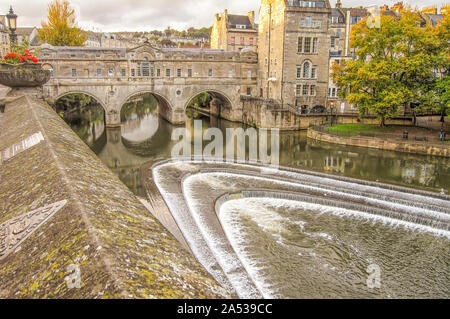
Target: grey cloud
{"x":139,"y":15}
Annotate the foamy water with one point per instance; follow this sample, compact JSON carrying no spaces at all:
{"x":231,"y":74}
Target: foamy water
{"x":250,"y":245}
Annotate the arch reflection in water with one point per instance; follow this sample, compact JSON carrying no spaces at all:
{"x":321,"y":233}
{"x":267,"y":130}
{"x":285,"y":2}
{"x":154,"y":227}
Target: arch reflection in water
{"x":297,"y":234}
{"x":146,"y":136}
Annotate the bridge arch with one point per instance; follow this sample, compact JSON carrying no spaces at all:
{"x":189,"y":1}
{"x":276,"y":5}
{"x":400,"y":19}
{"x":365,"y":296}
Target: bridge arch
{"x":165,"y":107}
{"x":220,"y":105}
{"x":99,"y":101}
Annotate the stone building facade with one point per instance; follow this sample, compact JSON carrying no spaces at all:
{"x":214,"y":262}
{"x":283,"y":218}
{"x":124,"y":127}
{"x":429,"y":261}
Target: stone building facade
{"x":4,"y":36}
{"x":174,"y":76}
{"x":232,"y":32}
{"x":293,"y":52}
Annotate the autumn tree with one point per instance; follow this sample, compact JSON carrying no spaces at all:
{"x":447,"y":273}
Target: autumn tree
{"x":396,"y":65}
{"x":60,"y":28}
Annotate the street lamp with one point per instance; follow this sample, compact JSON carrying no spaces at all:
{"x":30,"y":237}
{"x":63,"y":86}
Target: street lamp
{"x":331,"y":112}
{"x":12,"y":24}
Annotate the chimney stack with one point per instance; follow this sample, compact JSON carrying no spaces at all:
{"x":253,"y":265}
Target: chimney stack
{"x":251,"y":16}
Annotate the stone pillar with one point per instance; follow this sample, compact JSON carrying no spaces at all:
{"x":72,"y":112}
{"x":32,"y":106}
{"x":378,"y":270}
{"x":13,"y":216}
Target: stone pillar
{"x":112,"y":118}
{"x":215,"y":107}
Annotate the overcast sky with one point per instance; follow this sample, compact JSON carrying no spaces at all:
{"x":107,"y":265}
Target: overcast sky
{"x":146,"y":15}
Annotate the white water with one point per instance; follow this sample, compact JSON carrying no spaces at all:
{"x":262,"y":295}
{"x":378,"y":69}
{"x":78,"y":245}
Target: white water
{"x":211,"y":247}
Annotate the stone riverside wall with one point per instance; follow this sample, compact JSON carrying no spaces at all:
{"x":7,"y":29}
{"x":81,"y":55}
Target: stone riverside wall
{"x":378,"y":143}
{"x":103,"y":233}
{"x":266,"y":113}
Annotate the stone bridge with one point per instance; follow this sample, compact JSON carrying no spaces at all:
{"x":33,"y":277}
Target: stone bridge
{"x":174,"y":76}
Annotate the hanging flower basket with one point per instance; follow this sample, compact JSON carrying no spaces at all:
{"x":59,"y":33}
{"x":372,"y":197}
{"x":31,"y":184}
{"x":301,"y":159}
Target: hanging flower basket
{"x":21,"y":69}
{"x":23,"y":75}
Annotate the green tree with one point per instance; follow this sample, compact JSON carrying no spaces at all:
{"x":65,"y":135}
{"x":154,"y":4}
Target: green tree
{"x":396,"y":65}
{"x":60,"y":28}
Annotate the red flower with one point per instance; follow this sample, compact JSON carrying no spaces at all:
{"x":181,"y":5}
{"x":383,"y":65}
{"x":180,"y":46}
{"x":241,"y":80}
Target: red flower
{"x":27,"y":51}
{"x":20,"y":58}
{"x":35,"y":60}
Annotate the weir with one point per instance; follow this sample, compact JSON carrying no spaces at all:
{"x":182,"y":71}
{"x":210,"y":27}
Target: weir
{"x":207,"y":229}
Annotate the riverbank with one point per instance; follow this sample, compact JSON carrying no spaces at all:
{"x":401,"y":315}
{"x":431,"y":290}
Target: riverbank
{"x":424,"y":146}
{"x":70,"y":229}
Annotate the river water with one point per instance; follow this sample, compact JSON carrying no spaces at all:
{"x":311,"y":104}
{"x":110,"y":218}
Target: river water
{"x":293,"y":250}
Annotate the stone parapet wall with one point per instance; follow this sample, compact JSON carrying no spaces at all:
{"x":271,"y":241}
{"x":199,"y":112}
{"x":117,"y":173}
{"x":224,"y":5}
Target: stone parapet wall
{"x":100,"y":242}
{"x":425,"y":148}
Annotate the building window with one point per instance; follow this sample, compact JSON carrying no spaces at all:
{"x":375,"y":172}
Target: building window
{"x":313,"y":72}
{"x":51,"y":72}
{"x":110,"y":73}
{"x":302,"y":22}
{"x":312,"y":90}
{"x":189,"y":73}
{"x":74,"y":73}
{"x":152,"y":72}
{"x":242,"y":41}
{"x":249,"y":74}
{"x":168,"y":73}
{"x":316,"y":24}
{"x":306,"y":69}
{"x":139,"y":71}
{"x":158,"y":72}
{"x":179,"y":73}
{"x":266,"y":61}
{"x":305,"y":89}
{"x":308,"y":22}
{"x":298,"y":89}
{"x":210,"y":72}
{"x":124,"y":73}
{"x":299,"y":72}
{"x":133,"y":73}
{"x":233,"y":40}
{"x":307,"y":47}
{"x":249,"y":91}
{"x":251,"y":41}
{"x":230,"y":73}
{"x":315,"y":47}
{"x":300,"y":45}
{"x":145,"y":68}
{"x":333,"y":42}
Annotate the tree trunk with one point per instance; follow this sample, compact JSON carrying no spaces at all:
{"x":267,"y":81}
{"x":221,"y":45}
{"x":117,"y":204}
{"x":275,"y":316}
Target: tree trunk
{"x":382,"y":123}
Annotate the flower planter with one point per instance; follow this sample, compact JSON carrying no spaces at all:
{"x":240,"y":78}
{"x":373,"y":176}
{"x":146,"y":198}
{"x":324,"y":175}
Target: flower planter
{"x":23,"y":75}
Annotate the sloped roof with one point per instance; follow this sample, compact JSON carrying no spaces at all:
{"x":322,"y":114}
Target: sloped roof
{"x":336,"y":12}
{"x":25,"y":31}
{"x":434,"y":18}
{"x":235,"y":19}
{"x":358,"y":12}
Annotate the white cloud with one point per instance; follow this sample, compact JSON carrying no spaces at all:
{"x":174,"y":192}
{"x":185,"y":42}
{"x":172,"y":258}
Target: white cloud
{"x":145,"y":15}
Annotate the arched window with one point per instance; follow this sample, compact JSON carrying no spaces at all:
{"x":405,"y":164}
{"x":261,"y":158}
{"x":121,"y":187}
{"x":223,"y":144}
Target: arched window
{"x":306,"y":70}
{"x":144,"y":67}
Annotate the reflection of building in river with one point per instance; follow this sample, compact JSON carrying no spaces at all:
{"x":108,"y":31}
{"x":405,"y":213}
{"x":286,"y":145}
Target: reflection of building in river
{"x":96,"y":130}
